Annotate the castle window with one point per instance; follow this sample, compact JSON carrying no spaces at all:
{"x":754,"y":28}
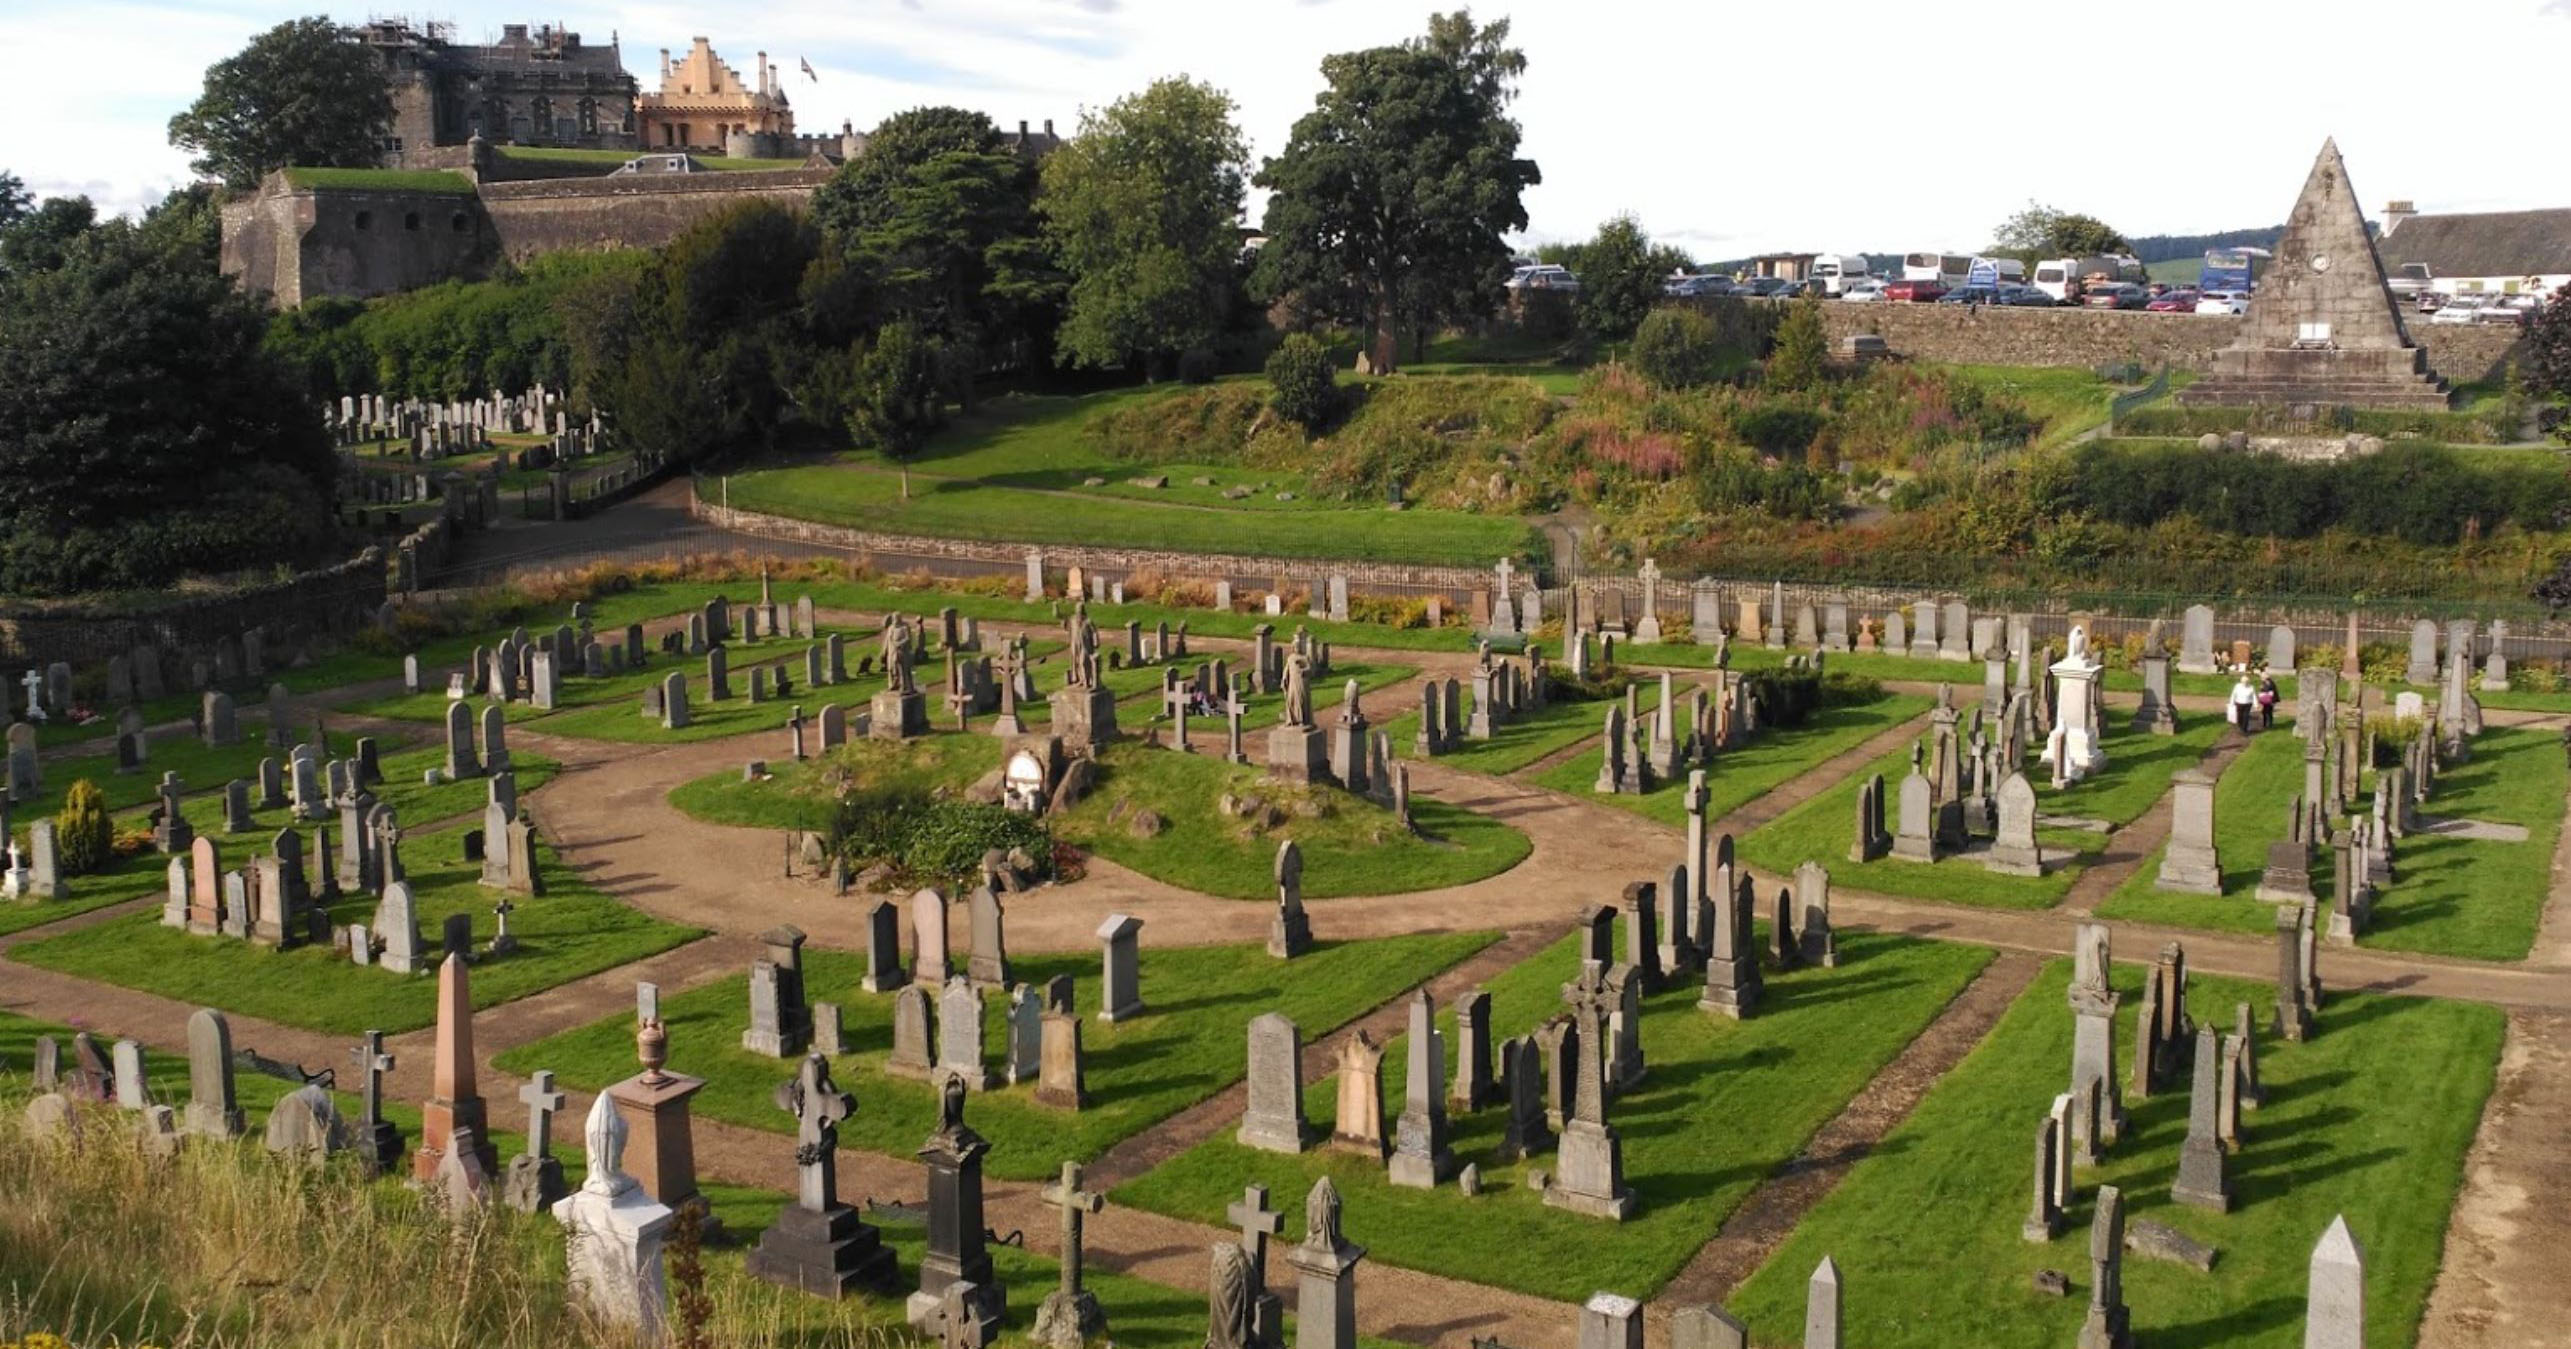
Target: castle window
{"x":365,"y":218}
{"x":589,"y":117}
{"x":541,"y":113}
{"x":411,"y":221}
{"x":460,"y":222}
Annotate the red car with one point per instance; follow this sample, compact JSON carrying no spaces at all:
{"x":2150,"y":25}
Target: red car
{"x":2181,"y":301}
{"x":1913,"y":292}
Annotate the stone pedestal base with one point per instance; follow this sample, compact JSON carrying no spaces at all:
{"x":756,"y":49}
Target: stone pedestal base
{"x":660,"y":1148}
{"x":1298,"y":754}
{"x":2200,"y":1177}
{"x":1084,"y":717}
{"x":2014,"y":861}
{"x":2190,"y":871}
{"x":1592,"y":1178}
{"x":827,"y":1254}
{"x":988,"y":1303}
{"x":1067,"y":1322}
{"x":1731,"y":988}
{"x":897,"y":716}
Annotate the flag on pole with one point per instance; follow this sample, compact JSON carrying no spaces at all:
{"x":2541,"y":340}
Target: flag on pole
{"x":808,"y":70}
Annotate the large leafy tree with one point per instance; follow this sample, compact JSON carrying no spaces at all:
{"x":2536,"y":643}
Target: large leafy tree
{"x":1621,"y":272}
{"x":145,"y":434}
{"x":2548,"y":343}
{"x":15,"y":200}
{"x":306,"y":92}
{"x":939,"y":212}
{"x":1143,"y":208}
{"x":2041,"y":231}
{"x":687,"y":358}
{"x":1391,"y":198}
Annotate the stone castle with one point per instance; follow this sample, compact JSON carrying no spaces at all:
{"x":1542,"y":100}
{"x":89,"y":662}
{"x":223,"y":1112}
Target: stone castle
{"x":481,"y":131}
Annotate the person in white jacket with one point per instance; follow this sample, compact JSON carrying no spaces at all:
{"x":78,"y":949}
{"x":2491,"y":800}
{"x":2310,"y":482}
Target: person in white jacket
{"x":2244,"y":705}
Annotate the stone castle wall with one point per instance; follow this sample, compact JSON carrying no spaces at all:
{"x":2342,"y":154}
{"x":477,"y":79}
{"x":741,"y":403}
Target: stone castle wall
{"x":1984,"y":335}
{"x":631,"y":211}
{"x":330,"y":601}
{"x":300,"y":243}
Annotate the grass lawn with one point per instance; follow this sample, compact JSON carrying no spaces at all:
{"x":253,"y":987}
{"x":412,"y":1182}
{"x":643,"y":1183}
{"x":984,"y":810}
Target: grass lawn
{"x":144,"y":873}
{"x":1187,"y":1046}
{"x":1529,"y":737}
{"x":568,"y":932}
{"x":2139,"y":766}
{"x":869,"y":498}
{"x":418,"y":803}
{"x":1352,"y":847}
{"x":2370,"y":1118}
{"x":1724,"y":1103}
{"x":579,"y":690}
{"x":1744,"y":775}
{"x":201,"y":768}
{"x":2450,"y":896}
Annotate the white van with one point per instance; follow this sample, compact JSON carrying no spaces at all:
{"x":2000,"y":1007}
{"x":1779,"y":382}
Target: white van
{"x":1835,"y":270}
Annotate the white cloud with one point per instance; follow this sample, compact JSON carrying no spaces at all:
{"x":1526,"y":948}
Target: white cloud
{"x":1832,"y":124}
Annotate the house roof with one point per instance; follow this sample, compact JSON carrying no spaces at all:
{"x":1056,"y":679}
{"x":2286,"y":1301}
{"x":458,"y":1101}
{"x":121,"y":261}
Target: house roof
{"x":2488,"y":243}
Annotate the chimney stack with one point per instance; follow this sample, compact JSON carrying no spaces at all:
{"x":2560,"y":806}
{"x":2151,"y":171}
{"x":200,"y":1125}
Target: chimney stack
{"x":665,"y":65}
{"x":1048,"y":128}
{"x":2396,"y":212}
{"x":763,"y":72}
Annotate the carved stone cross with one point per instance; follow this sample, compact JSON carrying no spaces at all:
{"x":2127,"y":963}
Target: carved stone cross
{"x":1076,"y":1204}
{"x":541,"y":1101}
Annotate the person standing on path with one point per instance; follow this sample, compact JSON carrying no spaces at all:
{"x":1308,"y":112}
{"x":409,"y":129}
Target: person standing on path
{"x":2244,"y":698}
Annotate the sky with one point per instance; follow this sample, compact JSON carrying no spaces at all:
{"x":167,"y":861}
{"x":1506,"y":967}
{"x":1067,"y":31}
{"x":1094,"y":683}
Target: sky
{"x":1822,"y":125}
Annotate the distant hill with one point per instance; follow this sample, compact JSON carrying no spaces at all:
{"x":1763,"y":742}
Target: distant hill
{"x":2153,"y":248}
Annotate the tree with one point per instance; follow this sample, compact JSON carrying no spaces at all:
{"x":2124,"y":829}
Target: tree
{"x":145,"y":432}
{"x":15,"y":200}
{"x":2041,"y":231}
{"x":1620,"y":278}
{"x":1802,"y":351}
{"x":1677,"y":347}
{"x":1143,"y":208}
{"x":894,"y":402}
{"x":2548,"y":348}
{"x":1391,"y":198}
{"x":39,"y":240}
{"x":306,"y":92}
{"x":942,"y":214}
{"x":1302,"y":385}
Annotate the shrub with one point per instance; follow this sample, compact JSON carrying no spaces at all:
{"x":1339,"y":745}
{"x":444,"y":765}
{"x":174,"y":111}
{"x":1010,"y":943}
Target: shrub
{"x":1802,"y":348}
{"x":1677,"y":348}
{"x":926,"y":840}
{"x":1303,"y":385}
{"x":1196,"y":365}
{"x":83,"y":835}
{"x":1781,"y":429}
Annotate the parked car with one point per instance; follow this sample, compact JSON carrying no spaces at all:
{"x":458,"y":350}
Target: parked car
{"x":1544,"y":276}
{"x":2430,"y":301}
{"x":1971,"y":295}
{"x":2180,"y":301}
{"x":2114,"y":295}
{"x":2222,"y":302}
{"x":2027,"y":297}
{"x":2517,"y":309}
{"x":1693,"y":285}
{"x":2460,"y":310}
{"x":1908,"y":291}
{"x":1794,"y":290}
{"x":1761,"y":285}
{"x":1864,"y":290}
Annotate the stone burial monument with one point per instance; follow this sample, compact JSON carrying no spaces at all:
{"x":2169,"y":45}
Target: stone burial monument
{"x":818,"y":1244}
{"x":2323,"y":330}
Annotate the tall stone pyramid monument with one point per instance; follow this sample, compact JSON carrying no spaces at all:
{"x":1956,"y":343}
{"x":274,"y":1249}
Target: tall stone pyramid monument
{"x":2322,"y":330}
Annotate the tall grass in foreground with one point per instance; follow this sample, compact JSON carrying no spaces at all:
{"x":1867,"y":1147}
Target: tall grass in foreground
{"x":224,"y":1247}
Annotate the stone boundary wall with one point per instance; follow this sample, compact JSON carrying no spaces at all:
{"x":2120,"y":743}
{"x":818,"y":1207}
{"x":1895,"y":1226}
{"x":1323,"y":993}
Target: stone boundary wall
{"x":1261,"y":573}
{"x":540,"y":216}
{"x":2089,"y":338}
{"x":329,"y":601}
{"x":2313,"y":626}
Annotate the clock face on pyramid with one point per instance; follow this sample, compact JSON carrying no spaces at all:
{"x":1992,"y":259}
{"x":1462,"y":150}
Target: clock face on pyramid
{"x":2320,"y":262}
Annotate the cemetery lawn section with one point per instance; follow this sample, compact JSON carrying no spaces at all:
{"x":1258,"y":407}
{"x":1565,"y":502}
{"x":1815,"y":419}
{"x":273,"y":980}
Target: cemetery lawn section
{"x":1189,"y":1043}
{"x":564,"y":934}
{"x":123,"y":879}
{"x":870,"y":499}
{"x":1559,"y":724}
{"x":1723,"y":1104}
{"x":1350,"y":846}
{"x":2370,"y":1118}
{"x":2474,"y":899}
{"x":1740,"y":776}
{"x":416,"y":803}
{"x":201,"y":768}
{"x":626,"y":688}
{"x":2139,"y":767}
